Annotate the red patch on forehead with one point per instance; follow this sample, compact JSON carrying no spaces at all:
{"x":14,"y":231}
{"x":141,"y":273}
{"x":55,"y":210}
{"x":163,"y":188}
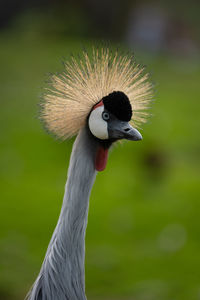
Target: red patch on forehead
{"x":97,"y":105}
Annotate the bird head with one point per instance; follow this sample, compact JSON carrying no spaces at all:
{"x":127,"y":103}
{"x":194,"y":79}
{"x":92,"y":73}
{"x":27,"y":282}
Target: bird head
{"x":109,"y":119}
{"x":108,"y":122}
{"x":106,"y":92}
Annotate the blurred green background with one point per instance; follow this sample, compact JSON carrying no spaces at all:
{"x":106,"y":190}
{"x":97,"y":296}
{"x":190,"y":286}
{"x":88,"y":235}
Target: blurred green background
{"x":143,"y":235}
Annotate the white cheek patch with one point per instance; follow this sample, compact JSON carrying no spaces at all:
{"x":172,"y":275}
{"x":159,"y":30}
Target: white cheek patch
{"x":97,"y":125}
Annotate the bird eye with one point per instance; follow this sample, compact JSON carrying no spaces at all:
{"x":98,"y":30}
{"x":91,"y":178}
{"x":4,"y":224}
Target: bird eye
{"x":105,"y":116}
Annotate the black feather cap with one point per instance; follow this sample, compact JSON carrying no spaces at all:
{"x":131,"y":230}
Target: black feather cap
{"x":119,"y":105}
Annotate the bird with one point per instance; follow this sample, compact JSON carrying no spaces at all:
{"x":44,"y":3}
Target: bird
{"x":101,"y":98}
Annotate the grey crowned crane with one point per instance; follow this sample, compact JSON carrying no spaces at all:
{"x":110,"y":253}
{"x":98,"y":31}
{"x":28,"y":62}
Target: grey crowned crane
{"x":101,"y":99}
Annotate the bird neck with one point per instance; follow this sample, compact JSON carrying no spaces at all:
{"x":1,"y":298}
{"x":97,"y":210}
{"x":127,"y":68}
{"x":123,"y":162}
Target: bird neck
{"x":62,"y":275}
{"x":74,"y":213}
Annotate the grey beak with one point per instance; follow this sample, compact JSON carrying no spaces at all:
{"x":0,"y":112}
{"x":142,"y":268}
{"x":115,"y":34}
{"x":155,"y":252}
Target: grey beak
{"x":123,"y":130}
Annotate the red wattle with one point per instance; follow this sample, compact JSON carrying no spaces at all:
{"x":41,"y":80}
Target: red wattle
{"x":101,"y":159}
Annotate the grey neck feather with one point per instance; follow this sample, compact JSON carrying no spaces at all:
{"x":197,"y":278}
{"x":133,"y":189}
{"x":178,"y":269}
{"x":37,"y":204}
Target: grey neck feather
{"x":62,"y":276}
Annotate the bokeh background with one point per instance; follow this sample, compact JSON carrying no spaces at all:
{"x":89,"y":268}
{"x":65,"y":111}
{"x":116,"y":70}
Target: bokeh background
{"x":143,"y":236}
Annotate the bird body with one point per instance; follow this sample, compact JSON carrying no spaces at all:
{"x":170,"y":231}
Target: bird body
{"x":100,"y":121}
